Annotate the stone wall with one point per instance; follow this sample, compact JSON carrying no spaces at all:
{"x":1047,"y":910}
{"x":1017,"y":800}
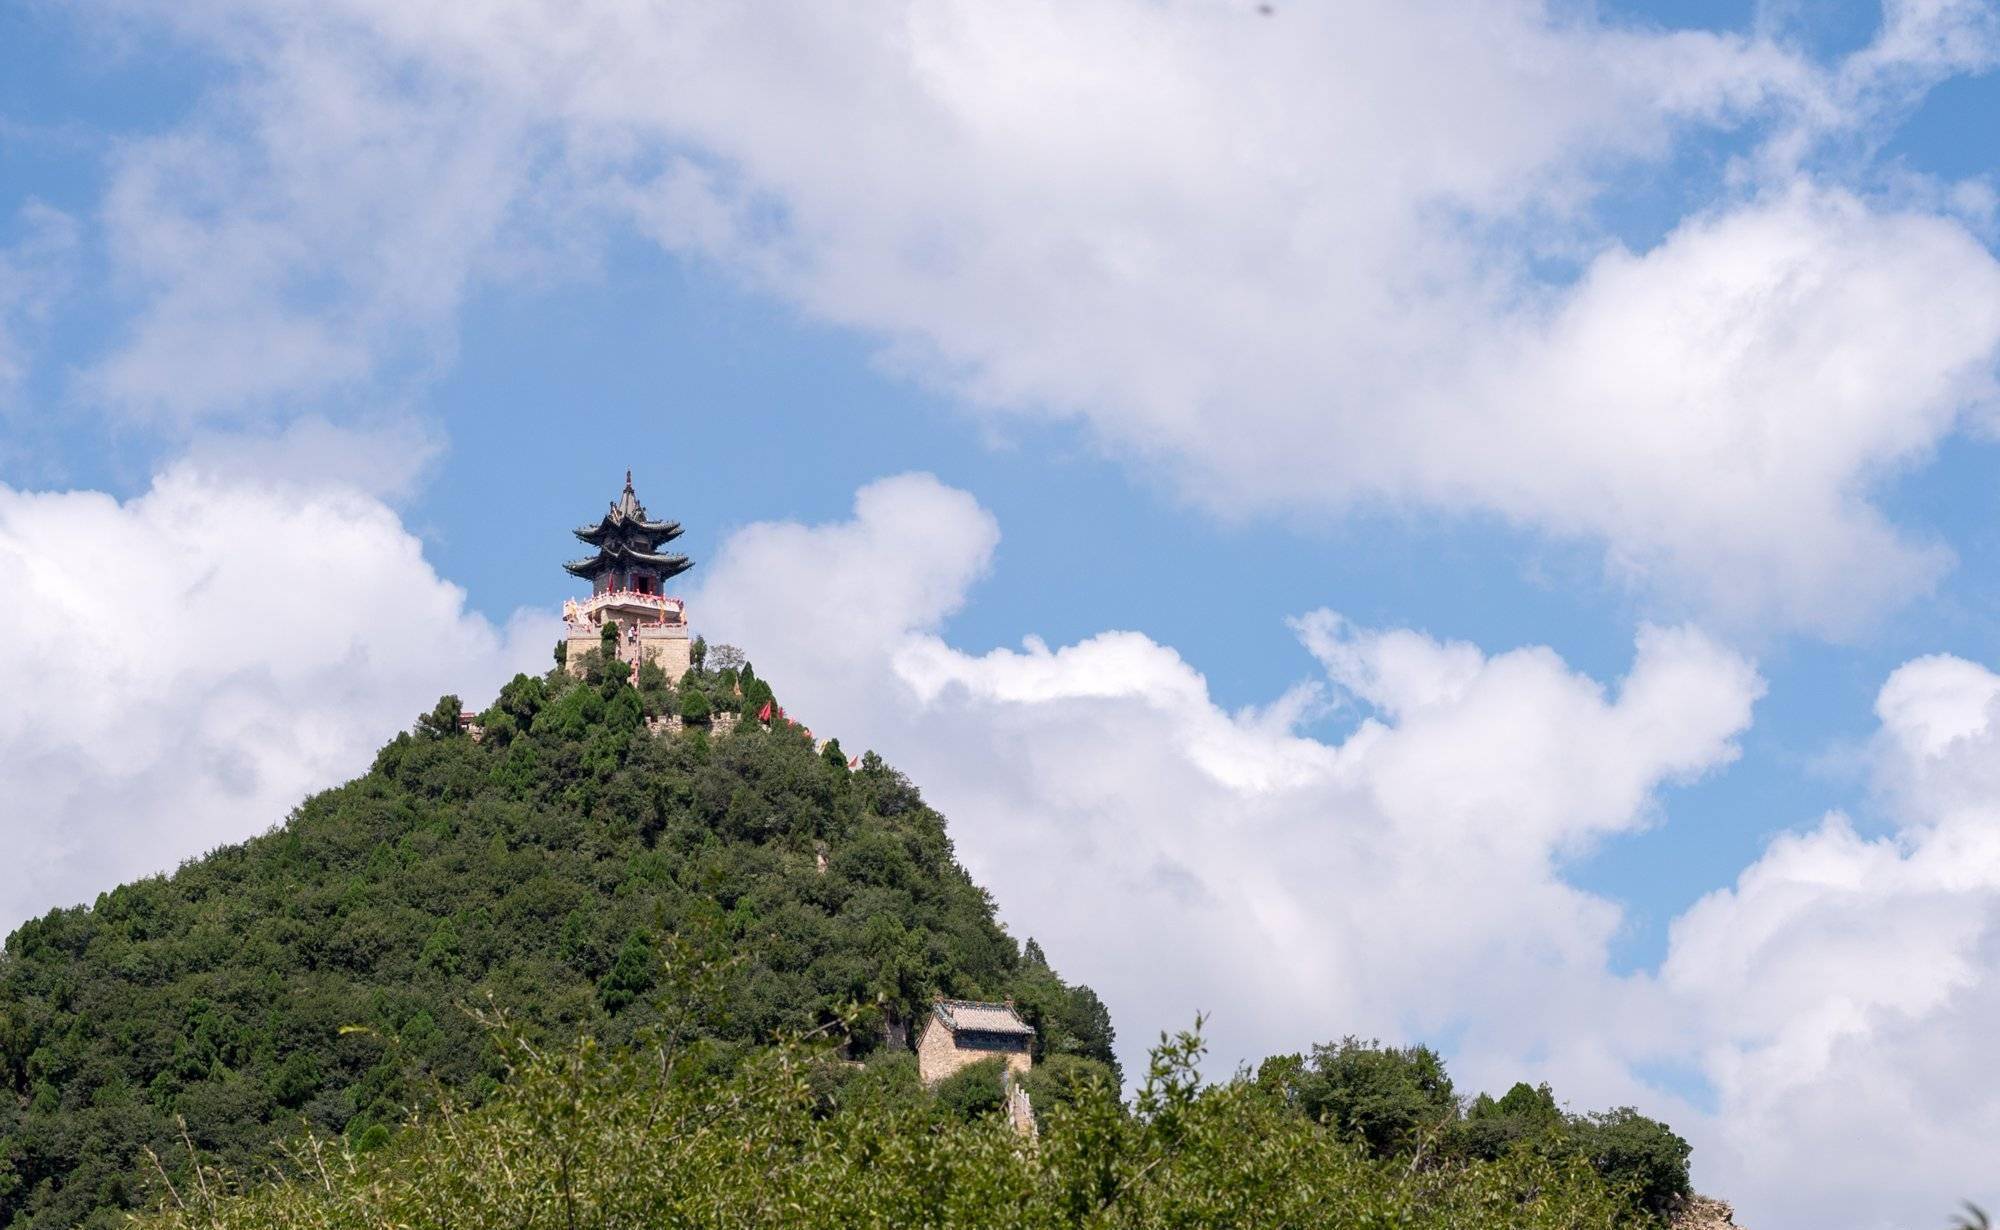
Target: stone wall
{"x":667,"y":647}
{"x":672,"y":654}
{"x":578,"y":645}
{"x":1020,"y":1110}
{"x":939,"y":1055}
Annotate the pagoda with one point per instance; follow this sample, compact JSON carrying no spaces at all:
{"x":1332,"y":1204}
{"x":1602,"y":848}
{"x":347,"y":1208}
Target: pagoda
{"x":627,"y":577}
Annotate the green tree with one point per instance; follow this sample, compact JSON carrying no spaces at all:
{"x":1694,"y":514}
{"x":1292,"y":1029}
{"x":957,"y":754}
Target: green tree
{"x":319,"y":975}
{"x":1390,"y":1099}
{"x":1067,"y":1080}
{"x":442,"y":722}
{"x":522,"y":698}
{"x":670,"y":1134}
{"x":1525,"y":1114}
{"x":695,"y":709}
{"x":834,"y":759}
{"x":442,"y":950}
{"x":630,"y":976}
{"x":973,"y":1091}
{"x":1637,"y":1154}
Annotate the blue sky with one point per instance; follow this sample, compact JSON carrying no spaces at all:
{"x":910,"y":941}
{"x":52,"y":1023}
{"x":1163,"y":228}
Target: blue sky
{"x":529,"y":285}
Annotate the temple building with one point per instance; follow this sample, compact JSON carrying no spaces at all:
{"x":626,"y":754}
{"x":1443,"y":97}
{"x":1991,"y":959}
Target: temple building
{"x":963,"y":1032}
{"x":627,"y":576}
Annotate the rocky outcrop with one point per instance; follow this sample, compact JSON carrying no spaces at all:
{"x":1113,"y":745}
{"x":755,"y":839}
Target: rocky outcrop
{"x":1705,"y":1213}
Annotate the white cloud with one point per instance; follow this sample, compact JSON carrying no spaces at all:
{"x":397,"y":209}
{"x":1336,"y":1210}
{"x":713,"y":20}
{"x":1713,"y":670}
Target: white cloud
{"x":1715,"y":405}
{"x":314,"y":233}
{"x":186,"y":677}
{"x":1847,"y":985}
{"x":1407,"y":880}
{"x":1928,"y":40}
{"x":388,"y":460}
{"x":907,"y":560}
{"x":183,"y":667}
{"x":1295,"y":263}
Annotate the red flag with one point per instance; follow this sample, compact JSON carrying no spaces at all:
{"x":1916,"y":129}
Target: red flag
{"x":854,"y":763}
{"x":764,"y":714}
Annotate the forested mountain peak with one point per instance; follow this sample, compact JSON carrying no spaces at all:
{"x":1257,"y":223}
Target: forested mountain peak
{"x":324,"y":976}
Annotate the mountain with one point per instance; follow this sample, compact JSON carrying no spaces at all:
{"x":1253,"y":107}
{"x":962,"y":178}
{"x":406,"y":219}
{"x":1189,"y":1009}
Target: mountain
{"x":546,"y":861}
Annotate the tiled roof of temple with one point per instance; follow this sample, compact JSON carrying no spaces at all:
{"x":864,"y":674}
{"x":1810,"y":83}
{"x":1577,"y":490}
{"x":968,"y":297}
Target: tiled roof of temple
{"x":975,"y":1017}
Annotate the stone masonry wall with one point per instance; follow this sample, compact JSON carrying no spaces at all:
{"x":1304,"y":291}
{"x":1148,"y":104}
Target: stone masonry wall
{"x":577,"y":647}
{"x":672,"y":654}
{"x":938,"y":1056}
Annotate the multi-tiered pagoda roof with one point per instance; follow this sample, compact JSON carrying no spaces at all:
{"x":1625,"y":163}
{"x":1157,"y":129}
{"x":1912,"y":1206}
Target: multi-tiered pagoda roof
{"x":628,"y":541}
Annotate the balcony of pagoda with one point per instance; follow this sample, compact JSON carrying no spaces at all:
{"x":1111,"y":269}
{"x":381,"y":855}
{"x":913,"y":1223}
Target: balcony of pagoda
{"x":627,"y":606}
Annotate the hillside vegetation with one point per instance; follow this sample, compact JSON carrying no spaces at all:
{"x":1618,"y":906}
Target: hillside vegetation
{"x":660,"y":1134}
{"x":578,"y":973}
{"x":321,"y":975}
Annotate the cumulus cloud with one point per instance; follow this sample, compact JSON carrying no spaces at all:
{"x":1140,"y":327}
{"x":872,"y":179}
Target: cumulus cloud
{"x":184,"y":666}
{"x":1846,"y":985}
{"x":1713,"y":405}
{"x":1338,"y":256}
{"x":194,"y":659}
{"x":1405,"y":880}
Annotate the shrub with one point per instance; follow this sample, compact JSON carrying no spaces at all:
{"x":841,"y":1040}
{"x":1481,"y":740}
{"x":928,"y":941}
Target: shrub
{"x":973,"y":1091}
{"x":1524,"y":1114}
{"x":695,"y":709}
{"x":671,"y":1134}
{"x":1639,"y":1155}
{"x":1390,"y":1099}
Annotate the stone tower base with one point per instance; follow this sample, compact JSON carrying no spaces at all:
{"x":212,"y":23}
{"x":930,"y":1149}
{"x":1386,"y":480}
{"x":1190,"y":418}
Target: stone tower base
{"x":665,"y":645}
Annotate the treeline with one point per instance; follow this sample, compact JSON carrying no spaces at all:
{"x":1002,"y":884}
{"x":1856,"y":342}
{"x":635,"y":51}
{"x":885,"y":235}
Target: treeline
{"x":1391,"y":1105}
{"x":323,"y":976}
{"x":654,"y":917}
{"x":669,"y":1134}
{"x":1398,"y":1103}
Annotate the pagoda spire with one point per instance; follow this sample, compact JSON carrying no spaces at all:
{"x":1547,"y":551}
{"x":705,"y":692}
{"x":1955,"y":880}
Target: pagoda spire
{"x":628,"y":548}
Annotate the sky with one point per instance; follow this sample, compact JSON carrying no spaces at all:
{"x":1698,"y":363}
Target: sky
{"x":1457,"y":522}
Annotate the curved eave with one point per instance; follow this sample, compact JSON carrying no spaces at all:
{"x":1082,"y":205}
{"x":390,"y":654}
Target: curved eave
{"x":624,"y":557}
{"x":668,"y":565}
{"x":655,"y":531}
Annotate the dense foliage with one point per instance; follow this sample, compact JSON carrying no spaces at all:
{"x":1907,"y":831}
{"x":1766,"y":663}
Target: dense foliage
{"x":319,"y":977}
{"x":1398,"y":1103}
{"x":663,"y":1134}
{"x":654,"y":902}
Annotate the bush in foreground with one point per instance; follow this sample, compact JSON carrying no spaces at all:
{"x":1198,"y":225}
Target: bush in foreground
{"x":669,"y":1133}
